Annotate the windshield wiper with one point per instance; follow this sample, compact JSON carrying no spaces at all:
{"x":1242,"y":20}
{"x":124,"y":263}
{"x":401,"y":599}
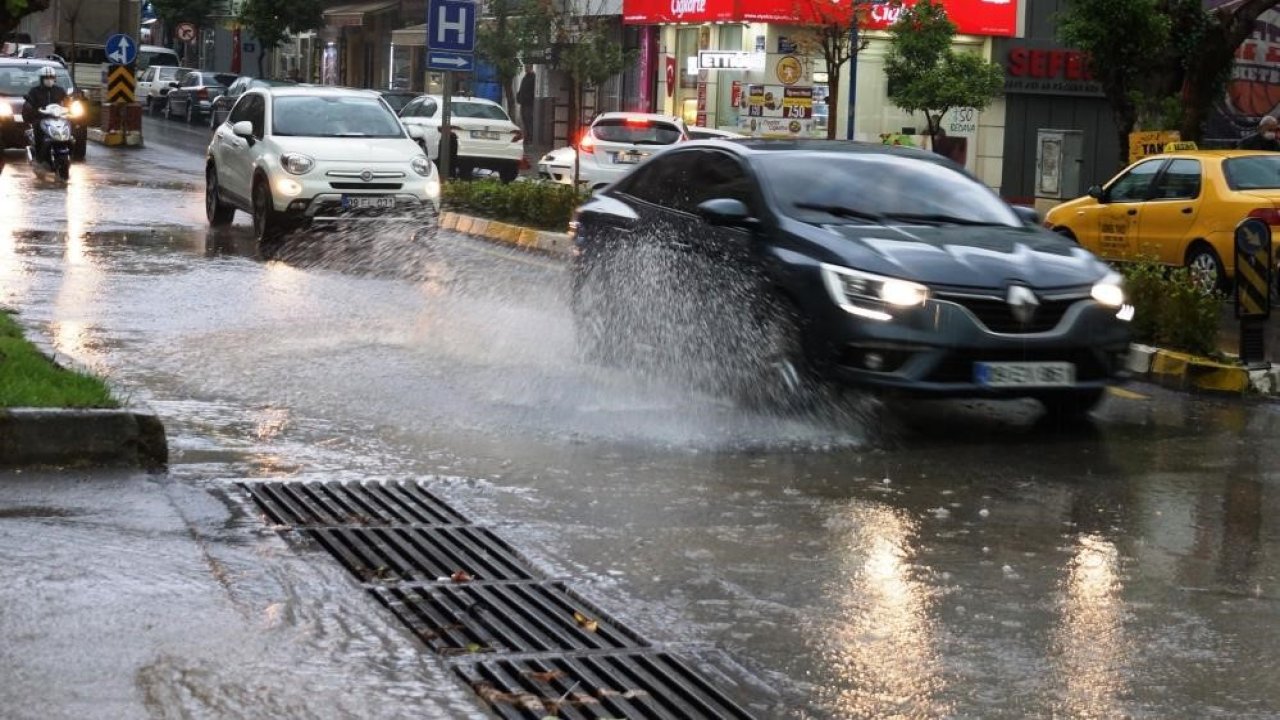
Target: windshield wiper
{"x":842,"y":211}
{"x":939,"y":219}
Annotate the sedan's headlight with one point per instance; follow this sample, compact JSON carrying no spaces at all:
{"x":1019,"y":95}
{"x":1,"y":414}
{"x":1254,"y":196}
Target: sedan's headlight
{"x":77,"y":109}
{"x":5,"y":110}
{"x":1109,"y":291}
{"x":421,"y":165}
{"x":869,"y":295}
{"x":297,"y":163}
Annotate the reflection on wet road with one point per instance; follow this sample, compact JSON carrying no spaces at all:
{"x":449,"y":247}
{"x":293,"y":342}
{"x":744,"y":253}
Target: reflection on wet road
{"x":938,"y":560}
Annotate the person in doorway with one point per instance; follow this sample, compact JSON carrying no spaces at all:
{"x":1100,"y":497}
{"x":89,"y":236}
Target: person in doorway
{"x":1265,"y":138}
{"x":524,"y":98}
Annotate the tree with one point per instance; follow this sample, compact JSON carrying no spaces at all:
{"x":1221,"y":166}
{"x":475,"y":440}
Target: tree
{"x":830,"y":28}
{"x":12,"y":12}
{"x":583,"y":47}
{"x":926,"y":75}
{"x":510,"y":36}
{"x":1160,"y":62}
{"x":271,"y":21}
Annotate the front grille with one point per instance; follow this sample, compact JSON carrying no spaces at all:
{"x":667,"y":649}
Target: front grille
{"x":365,"y":186}
{"x":997,"y":315}
{"x":957,"y":367}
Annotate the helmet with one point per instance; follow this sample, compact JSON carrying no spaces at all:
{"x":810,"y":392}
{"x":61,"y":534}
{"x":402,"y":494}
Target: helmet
{"x":47,"y":72}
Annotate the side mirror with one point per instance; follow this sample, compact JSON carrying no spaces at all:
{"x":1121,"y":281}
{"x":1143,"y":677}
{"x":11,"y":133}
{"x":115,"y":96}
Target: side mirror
{"x":725,"y":211}
{"x":244,"y":129}
{"x":1095,"y":192}
{"x":1028,"y":215}
{"x":416,"y":131}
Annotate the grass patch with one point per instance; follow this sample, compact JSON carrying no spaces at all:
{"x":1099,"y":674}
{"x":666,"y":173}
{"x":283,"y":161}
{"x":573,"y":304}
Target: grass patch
{"x":29,"y":379}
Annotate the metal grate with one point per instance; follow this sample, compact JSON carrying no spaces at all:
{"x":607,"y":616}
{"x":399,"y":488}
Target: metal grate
{"x":406,"y":555}
{"x":508,"y":618}
{"x":352,"y":503}
{"x":633,"y":686}
{"x":997,"y":315}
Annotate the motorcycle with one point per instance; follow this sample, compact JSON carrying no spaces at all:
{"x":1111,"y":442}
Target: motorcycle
{"x":54,"y":154}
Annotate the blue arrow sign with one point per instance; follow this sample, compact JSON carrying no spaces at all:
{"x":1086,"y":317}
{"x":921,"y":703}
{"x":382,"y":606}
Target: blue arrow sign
{"x":450,"y":61}
{"x":121,"y":49}
{"x":451,"y":26}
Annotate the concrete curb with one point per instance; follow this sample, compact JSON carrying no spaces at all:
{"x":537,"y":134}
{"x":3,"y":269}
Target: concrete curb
{"x":128,"y":437}
{"x":554,"y":243}
{"x":115,"y":139}
{"x":1184,"y":371}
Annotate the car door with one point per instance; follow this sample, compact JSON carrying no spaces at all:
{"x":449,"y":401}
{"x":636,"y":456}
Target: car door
{"x":1120,"y":215}
{"x":1168,"y":218}
{"x":234,"y":155}
{"x":144,"y":84}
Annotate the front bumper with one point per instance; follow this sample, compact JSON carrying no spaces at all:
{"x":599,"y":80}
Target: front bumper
{"x":329,"y":208}
{"x":932,"y":350}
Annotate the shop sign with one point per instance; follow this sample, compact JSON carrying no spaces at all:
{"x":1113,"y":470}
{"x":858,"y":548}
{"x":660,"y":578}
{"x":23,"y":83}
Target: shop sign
{"x":653,"y":12}
{"x":702,"y":97}
{"x":775,"y":110}
{"x":1151,"y":142}
{"x":789,"y":70}
{"x":730,"y":60}
{"x":997,"y":18}
{"x":735,"y":93}
{"x":1048,"y":71}
{"x":786,"y":46}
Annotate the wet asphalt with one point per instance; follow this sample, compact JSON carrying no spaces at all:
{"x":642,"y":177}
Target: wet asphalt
{"x":932,"y":560}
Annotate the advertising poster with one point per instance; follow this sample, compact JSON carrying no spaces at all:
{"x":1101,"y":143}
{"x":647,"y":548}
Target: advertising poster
{"x":778,"y":111}
{"x":1254,"y":87}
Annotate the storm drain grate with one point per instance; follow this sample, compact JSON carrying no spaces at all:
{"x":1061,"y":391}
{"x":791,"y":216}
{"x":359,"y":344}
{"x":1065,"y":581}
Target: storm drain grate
{"x":387,"y":556}
{"x":299,"y":504}
{"x":633,"y":686}
{"x":508,"y":618}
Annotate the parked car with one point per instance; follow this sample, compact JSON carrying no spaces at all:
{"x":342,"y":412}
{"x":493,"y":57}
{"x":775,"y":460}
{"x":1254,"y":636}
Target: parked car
{"x":801,"y":263}
{"x":484,"y":136}
{"x":192,"y":97}
{"x":17,"y":76}
{"x":221,"y":106}
{"x":1179,"y":209}
{"x":611,"y":146}
{"x":397,"y":99}
{"x":294,"y":156}
{"x":154,"y":85}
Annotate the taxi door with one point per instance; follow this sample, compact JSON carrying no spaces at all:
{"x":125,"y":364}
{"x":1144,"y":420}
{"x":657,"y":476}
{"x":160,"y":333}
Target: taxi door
{"x":1120,"y":216}
{"x":1170,"y":215}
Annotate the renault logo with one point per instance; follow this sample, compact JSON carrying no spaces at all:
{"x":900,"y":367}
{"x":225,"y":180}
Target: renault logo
{"x":366,"y":175}
{"x":1023,"y":303}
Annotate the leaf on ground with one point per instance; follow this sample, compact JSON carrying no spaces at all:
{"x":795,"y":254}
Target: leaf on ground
{"x":585,"y":622}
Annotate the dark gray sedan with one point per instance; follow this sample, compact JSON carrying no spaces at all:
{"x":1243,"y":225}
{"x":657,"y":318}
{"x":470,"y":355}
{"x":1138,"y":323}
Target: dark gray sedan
{"x":193,"y":96}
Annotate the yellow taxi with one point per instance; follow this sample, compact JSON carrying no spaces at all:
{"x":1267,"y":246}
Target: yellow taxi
{"x":1178,"y":208}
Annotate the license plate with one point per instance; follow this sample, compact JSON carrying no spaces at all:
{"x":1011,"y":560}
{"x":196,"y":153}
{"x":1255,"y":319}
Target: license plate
{"x":1024,"y":374}
{"x":485,"y":135}
{"x":368,"y":202}
{"x":624,"y":158}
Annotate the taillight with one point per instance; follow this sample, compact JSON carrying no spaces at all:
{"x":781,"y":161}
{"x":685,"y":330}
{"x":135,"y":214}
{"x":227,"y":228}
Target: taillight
{"x":587,"y":144}
{"x":203,"y":93}
{"x":516,"y":136}
{"x":637,"y":122}
{"x":1268,"y":214}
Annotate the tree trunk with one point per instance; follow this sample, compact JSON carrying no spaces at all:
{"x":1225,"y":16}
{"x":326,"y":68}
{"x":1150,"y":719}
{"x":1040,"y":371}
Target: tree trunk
{"x":833,"y":99}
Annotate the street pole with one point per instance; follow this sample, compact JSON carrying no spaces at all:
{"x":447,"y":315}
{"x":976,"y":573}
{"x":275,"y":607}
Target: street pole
{"x":446,"y":133}
{"x":853,"y":79}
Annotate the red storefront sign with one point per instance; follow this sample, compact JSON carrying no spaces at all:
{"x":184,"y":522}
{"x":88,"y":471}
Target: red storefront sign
{"x":972,"y":17}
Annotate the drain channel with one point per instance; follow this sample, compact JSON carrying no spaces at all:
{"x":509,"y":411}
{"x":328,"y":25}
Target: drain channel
{"x":506,"y":618}
{"x":634,"y":686}
{"x":422,"y":555}
{"x":352,"y":503}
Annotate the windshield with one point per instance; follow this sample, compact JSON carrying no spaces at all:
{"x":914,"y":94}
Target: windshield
{"x":1254,"y":172}
{"x":334,"y":116}
{"x":18,"y":80}
{"x":877,"y":185}
{"x":483,"y":111}
{"x":147,"y":58}
{"x":636,"y":131}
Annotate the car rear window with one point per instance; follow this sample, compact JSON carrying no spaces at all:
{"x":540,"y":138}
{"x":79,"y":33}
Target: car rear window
{"x":1253,"y":172}
{"x":636,"y":131}
{"x":482,"y":111}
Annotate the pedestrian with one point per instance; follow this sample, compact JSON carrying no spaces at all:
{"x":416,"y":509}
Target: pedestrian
{"x":524,"y":98}
{"x":1265,"y":138}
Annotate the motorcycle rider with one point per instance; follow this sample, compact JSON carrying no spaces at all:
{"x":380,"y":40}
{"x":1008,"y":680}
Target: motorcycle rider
{"x":48,"y":92}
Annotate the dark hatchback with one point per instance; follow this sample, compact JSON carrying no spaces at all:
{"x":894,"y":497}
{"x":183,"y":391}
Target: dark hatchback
{"x":794,"y":262}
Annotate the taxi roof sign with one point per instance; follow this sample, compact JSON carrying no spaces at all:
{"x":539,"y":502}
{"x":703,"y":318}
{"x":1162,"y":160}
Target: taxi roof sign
{"x":1182,"y":146}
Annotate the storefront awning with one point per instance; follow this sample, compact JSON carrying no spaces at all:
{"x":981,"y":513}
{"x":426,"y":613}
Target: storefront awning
{"x":414,"y":36}
{"x":354,"y":15}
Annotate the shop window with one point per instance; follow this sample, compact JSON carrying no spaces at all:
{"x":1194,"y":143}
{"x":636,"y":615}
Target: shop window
{"x":731,"y":37}
{"x":686,"y":48}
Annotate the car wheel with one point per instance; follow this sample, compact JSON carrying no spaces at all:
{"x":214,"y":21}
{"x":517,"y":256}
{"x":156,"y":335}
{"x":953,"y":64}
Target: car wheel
{"x":1066,"y":233}
{"x":79,"y":147}
{"x":1072,"y":407}
{"x":266,"y":223}
{"x":218,"y":212}
{"x":779,"y":376}
{"x":1205,"y":268}
{"x":509,"y":173}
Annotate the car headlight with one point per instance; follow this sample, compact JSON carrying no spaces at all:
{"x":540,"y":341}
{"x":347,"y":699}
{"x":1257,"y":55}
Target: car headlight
{"x":297,"y":163}
{"x":433,"y":188}
{"x":77,"y":109}
{"x":421,"y":165}
{"x":5,"y":110}
{"x":1109,"y":291}
{"x":869,"y":295}
{"x":288,"y":187}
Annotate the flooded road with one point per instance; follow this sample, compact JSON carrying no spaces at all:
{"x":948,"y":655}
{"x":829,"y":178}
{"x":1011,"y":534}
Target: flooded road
{"x":927,"y":561}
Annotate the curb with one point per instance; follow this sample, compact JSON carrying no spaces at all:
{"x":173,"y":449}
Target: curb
{"x":1184,"y":371}
{"x":131,"y":436}
{"x":554,"y":243}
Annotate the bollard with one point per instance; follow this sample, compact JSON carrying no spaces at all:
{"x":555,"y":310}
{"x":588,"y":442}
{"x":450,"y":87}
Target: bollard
{"x":1253,"y":289}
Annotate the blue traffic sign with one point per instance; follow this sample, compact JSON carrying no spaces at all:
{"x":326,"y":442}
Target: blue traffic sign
{"x":449,"y":61}
{"x":121,"y":49}
{"x":451,"y":26}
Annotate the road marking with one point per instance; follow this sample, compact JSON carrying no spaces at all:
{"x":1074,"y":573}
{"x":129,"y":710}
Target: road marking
{"x":478,"y":246}
{"x":1127,"y":394}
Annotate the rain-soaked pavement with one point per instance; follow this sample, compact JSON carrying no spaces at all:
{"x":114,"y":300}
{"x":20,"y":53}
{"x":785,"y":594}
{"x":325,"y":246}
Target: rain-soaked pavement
{"x":926,"y":561}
